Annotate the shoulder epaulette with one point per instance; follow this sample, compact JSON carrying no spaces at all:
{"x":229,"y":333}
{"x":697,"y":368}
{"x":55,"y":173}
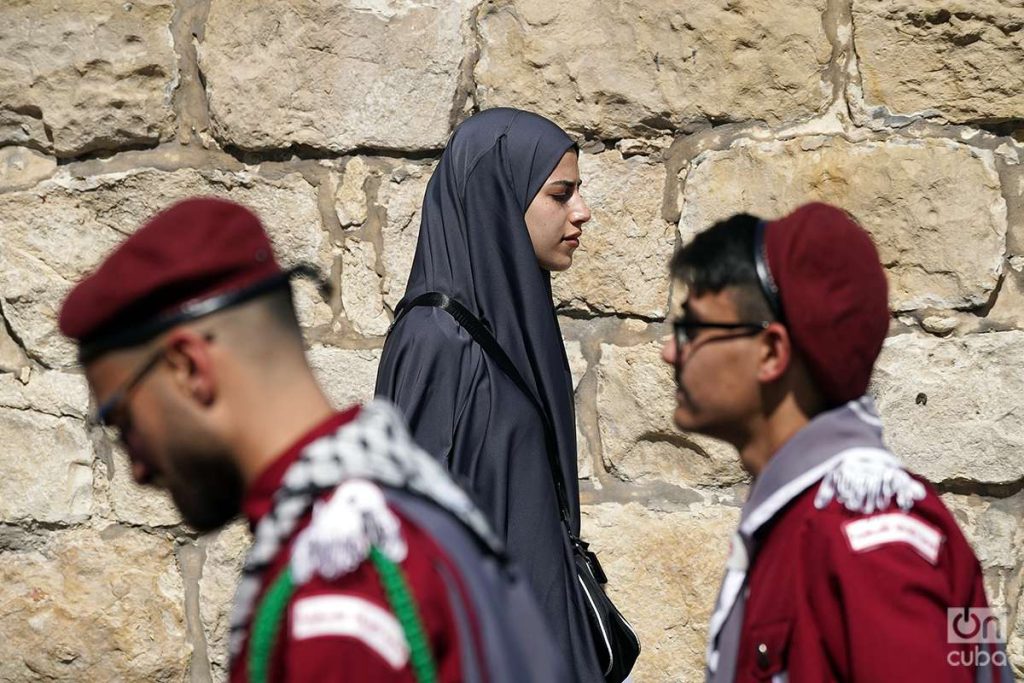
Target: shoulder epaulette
{"x":344,"y":528}
{"x":867,"y":480}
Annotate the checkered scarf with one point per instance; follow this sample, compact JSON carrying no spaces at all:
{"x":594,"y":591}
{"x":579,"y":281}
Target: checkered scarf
{"x":375,"y":446}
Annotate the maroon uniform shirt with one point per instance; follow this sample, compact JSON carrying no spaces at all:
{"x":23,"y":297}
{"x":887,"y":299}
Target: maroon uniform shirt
{"x":335,"y":655}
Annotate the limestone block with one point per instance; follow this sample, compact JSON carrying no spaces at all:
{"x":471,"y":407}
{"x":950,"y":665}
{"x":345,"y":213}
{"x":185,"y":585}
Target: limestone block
{"x":621,"y":265}
{"x":91,"y":606}
{"x":23,"y":167}
{"x":310,"y":307}
{"x":635,"y":402}
{"x":347,"y":375}
{"x":993,"y":528}
{"x":954,"y":407}
{"x":225,"y":554}
{"x":59,"y":394}
{"x":47,"y":468}
{"x":350,"y":197}
{"x":907,"y":194}
{"x":578,"y":367}
{"x":361,"y":288}
{"x":401,"y":196}
{"x":664,"y":570}
{"x":961,"y":58}
{"x":43,"y":253}
{"x":134,"y":504}
{"x":12,"y":358}
{"x":334,"y":75}
{"x":77,"y":77}
{"x":624,"y":68}
{"x":1008,"y":310}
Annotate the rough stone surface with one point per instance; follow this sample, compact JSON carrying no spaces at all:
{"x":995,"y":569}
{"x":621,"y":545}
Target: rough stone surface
{"x":578,"y":367}
{"x":620,"y":265}
{"x":93,"y":606}
{"x":994,"y":531}
{"x":401,"y":196}
{"x":350,"y":197}
{"x":1008,"y":310}
{"x":635,"y":402}
{"x":907,"y":194}
{"x":632,"y":67}
{"x":47,"y":468}
{"x":90,"y":75}
{"x":55,"y":393}
{"x":225,"y":553}
{"x":134,"y":504}
{"x":664,"y":570}
{"x":959,"y":58}
{"x":347,"y":375}
{"x":334,"y":75}
{"x":360,"y":288}
{"x":954,"y":407}
{"x":43,"y":252}
{"x":12,"y":358}
{"x":24,"y":167}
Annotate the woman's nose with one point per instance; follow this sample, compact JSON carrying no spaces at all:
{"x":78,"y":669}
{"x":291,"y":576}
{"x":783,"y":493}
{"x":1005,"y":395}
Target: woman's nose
{"x":581,"y":213}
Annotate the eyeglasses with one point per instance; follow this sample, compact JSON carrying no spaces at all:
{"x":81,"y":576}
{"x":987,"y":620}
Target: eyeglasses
{"x":686,"y":333}
{"x":104,"y":414}
{"x":686,"y":330}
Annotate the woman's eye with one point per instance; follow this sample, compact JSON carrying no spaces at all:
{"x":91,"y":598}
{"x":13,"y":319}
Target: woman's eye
{"x":563,"y":197}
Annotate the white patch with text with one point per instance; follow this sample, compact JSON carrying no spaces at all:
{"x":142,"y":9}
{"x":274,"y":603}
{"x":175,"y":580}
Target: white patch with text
{"x":342,"y":615}
{"x":895,"y":527}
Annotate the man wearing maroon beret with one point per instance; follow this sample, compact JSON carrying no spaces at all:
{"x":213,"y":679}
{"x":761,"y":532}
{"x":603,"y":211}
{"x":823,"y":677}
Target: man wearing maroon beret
{"x":845,"y":567}
{"x":368,"y":563}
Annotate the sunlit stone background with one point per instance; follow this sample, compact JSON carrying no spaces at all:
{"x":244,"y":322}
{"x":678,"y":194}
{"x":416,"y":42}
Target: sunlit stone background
{"x":327,"y":117}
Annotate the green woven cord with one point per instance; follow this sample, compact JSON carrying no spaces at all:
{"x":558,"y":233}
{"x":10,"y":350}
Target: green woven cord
{"x":404,"y":606}
{"x":270,"y":615}
{"x":266,"y":624}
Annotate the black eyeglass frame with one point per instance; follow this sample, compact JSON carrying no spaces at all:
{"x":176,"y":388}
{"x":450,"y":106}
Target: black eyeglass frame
{"x":101,"y":418}
{"x":682,"y":338}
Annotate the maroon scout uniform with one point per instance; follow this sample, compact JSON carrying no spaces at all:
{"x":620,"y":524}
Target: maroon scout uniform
{"x":334,"y":654}
{"x":381,"y":490}
{"x":855,"y":564}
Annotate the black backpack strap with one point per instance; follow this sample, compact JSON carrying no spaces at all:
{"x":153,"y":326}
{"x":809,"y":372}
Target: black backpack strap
{"x":483,"y":336}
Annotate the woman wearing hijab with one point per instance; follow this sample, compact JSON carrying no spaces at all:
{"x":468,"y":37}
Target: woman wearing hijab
{"x":501,"y":211}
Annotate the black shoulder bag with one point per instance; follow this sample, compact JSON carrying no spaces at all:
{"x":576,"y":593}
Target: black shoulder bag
{"x":616,"y":642}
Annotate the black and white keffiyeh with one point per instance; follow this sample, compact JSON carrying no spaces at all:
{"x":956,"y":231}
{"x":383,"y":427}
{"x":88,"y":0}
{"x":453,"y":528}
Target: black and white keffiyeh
{"x":375,"y":446}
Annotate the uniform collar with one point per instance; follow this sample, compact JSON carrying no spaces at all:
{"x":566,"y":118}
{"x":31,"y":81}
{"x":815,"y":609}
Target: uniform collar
{"x":807,"y":457}
{"x":260,"y":496}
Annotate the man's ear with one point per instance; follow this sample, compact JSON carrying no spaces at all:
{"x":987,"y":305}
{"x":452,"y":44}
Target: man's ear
{"x":191,"y":362}
{"x":776,"y":353}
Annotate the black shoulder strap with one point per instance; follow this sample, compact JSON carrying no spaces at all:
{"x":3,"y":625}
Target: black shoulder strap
{"x":482,"y":336}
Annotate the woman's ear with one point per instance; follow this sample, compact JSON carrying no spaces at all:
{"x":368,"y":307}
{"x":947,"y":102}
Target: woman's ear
{"x":188,"y":354}
{"x":776,"y":353}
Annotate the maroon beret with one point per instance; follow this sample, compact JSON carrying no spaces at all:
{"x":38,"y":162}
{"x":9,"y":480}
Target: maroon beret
{"x":833,"y":295}
{"x":196,"y":250}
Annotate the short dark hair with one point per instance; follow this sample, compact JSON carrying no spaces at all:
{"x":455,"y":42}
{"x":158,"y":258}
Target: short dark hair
{"x":723,"y":256}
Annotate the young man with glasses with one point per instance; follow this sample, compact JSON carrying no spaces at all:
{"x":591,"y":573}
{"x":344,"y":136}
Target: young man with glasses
{"x":368,"y":563}
{"x":844,"y":567}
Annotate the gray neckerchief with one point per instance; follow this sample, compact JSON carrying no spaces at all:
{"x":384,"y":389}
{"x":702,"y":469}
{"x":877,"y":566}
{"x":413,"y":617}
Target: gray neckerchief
{"x":844,"y":448}
{"x":375,"y":446}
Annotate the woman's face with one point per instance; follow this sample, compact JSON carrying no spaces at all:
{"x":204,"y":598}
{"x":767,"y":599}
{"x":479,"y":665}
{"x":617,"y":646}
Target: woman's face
{"x":556,"y":215}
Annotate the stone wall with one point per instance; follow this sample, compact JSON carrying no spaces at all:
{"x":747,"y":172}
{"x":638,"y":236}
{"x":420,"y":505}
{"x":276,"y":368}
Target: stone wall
{"x":327,"y":116}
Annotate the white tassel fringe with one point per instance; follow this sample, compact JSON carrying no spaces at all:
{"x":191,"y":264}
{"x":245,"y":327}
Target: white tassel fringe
{"x":867,"y":480}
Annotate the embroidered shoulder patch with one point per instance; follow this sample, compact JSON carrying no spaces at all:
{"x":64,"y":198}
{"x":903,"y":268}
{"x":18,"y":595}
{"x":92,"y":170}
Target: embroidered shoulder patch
{"x":351,"y":617}
{"x":895,"y":527}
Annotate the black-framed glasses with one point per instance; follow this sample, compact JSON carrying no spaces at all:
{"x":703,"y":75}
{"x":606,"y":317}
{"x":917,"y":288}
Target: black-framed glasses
{"x":104,"y":413}
{"x":686,"y":330}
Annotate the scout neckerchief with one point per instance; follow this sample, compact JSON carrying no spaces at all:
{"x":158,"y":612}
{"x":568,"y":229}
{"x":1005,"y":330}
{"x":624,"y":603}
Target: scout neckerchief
{"x":375,"y":446}
{"x":842,"y":449}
